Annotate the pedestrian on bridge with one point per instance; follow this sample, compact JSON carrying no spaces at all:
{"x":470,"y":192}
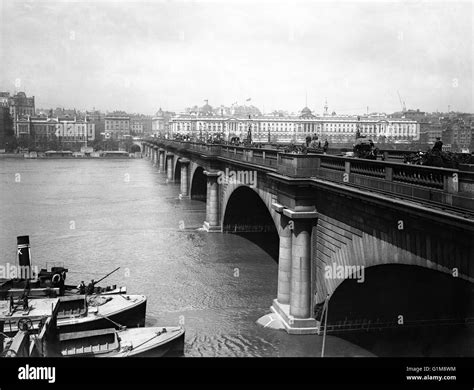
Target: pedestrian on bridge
{"x":326,"y":146}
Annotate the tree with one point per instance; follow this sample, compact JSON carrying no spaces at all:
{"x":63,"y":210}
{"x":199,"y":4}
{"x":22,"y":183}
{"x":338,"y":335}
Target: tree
{"x":11,"y":144}
{"x":127,"y":144}
{"x":53,"y":143}
{"x":110,"y":144}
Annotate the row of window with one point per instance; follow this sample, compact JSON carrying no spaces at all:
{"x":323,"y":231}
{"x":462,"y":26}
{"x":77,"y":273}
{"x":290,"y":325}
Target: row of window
{"x":266,"y":125}
{"x":301,"y":133}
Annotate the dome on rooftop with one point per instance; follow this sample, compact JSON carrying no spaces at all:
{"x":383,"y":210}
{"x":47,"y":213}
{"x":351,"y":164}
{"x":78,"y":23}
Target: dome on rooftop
{"x":206,"y":109}
{"x":306,"y":112}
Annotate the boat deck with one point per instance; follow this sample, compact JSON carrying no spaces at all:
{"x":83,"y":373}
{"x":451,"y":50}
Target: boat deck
{"x":92,"y":342}
{"x":72,"y":306}
{"x":37,"y":308}
{"x":150,"y":341}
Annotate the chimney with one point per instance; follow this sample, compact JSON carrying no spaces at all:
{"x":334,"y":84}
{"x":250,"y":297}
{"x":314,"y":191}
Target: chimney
{"x":23,"y":245}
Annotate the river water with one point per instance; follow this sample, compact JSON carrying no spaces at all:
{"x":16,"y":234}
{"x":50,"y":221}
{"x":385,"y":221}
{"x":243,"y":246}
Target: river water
{"x":96,"y":215}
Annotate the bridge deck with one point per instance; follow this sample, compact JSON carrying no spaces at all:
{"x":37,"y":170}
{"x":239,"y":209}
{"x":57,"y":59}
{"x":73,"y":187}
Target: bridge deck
{"x":448,"y":190}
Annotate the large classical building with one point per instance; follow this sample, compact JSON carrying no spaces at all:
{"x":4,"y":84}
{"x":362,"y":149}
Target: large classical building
{"x":295,"y":128}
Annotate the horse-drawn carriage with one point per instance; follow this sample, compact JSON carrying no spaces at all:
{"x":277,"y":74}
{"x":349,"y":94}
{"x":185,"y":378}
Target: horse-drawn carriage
{"x":365,"y":148}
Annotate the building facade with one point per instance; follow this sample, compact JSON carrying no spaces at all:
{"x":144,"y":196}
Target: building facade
{"x":140,"y":125}
{"x":74,"y":131}
{"x":136,"y":126}
{"x":276,"y":129}
{"x":457,"y":133}
{"x":68,"y":133}
{"x":117,"y":127}
{"x":21,"y":108}
{"x":97,"y":118}
{"x":160,"y":123}
{"x":5,"y":99}
{"x":6,"y":127}
{"x":21,"y":105}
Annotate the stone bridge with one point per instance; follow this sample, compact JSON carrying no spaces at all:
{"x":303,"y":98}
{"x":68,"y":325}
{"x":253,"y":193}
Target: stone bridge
{"x":388,"y":244}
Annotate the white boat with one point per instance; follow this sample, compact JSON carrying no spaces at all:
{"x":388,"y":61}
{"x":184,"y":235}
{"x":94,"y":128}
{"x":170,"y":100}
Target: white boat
{"x":81,"y":312}
{"x":136,"y":342}
{"x":84,"y":312}
{"x":37,"y":335}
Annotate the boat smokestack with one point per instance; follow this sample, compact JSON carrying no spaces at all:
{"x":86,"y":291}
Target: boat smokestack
{"x":23,"y":245}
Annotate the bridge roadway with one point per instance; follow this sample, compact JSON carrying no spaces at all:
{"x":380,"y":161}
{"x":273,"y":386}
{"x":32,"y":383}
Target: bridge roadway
{"x":331,"y":211}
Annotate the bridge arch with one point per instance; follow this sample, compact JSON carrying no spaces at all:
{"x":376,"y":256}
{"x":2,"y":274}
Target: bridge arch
{"x":411,"y":294}
{"x":136,"y":148}
{"x":362,"y":249}
{"x":246,"y":211}
{"x":198,"y":183}
{"x":176,"y":169}
{"x":399,"y":268}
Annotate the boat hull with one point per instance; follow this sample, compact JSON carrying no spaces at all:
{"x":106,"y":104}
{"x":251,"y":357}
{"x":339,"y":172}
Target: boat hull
{"x":172,"y":347}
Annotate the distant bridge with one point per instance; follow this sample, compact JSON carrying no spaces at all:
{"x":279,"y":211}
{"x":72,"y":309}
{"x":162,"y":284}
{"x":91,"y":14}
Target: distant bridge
{"x":409,"y":228}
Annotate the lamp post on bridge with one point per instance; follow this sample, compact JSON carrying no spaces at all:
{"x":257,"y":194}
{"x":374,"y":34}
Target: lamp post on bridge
{"x":325,"y":313}
{"x":249,"y":132}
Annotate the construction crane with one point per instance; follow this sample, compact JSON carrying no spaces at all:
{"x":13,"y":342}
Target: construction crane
{"x":402,"y":103}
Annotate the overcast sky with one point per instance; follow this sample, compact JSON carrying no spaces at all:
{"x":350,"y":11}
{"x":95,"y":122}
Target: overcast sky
{"x":139,"y":55}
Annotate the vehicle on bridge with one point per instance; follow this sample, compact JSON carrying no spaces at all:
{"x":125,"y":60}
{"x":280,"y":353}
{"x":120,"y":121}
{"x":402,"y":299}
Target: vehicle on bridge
{"x":437,"y":158}
{"x":365,"y":148}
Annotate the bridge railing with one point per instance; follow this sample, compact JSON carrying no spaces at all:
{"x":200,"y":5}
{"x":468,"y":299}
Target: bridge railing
{"x":439,"y":185}
{"x":258,"y":156}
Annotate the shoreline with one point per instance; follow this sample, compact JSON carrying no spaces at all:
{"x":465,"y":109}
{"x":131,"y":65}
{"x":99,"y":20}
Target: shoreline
{"x":20,"y":156}
{"x":11,"y":155}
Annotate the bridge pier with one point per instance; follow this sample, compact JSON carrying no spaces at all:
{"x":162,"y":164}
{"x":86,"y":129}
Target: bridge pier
{"x":300,"y":292}
{"x":211,"y":224}
{"x":293,"y":303}
{"x":184,"y":178}
{"x":169,"y":166}
{"x":154,"y":157}
{"x":284,"y":262}
{"x":161,"y":157}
